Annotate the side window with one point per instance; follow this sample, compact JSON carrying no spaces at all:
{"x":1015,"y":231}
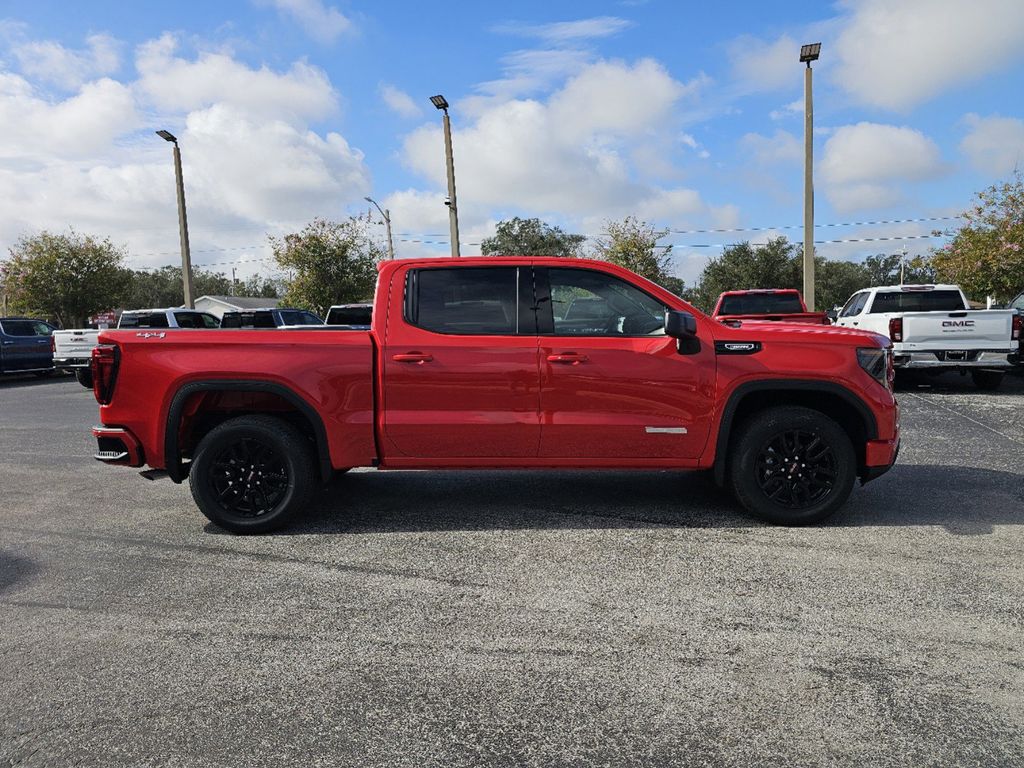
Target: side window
{"x":585,"y":302}
{"x":209,"y":321}
{"x":855,"y":304}
{"x":464,"y":300}
{"x":261,"y":320}
{"x":308,"y":318}
{"x":231,"y":320}
{"x":186,"y":320}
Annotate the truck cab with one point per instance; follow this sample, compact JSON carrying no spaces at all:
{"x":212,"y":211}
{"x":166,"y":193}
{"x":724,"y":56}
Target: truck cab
{"x":25,"y":345}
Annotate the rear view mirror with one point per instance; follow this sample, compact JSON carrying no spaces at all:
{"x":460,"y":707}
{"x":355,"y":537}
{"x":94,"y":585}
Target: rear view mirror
{"x":680,"y":325}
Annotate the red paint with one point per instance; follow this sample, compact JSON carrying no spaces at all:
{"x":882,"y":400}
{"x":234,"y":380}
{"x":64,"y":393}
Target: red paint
{"x":803,"y":316}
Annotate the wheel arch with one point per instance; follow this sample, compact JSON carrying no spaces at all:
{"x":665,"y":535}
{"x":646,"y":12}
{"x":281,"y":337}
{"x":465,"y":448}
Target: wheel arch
{"x":305,"y":414}
{"x":833,"y":400}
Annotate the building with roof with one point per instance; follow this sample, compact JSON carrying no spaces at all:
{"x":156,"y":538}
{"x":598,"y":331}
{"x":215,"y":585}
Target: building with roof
{"x":218,"y":305}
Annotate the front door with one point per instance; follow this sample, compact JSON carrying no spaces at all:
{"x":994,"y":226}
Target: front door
{"x":460,"y":365}
{"x":613,"y":385}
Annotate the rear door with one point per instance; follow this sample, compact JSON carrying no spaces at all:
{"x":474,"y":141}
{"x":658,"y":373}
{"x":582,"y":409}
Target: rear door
{"x":614,"y":386}
{"x":460,"y":364}
{"x":25,"y":344}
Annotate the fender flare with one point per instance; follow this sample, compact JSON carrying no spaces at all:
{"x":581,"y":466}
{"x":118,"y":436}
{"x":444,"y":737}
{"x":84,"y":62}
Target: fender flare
{"x":725,"y":425}
{"x":172,"y":458}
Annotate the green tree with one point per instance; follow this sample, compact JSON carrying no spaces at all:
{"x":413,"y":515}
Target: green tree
{"x":633,"y":244}
{"x":66,"y":277}
{"x":163,"y":287}
{"x":531,"y":237}
{"x":885,"y":269}
{"x":773,"y":265}
{"x":259,"y":286}
{"x":986,"y":255}
{"x":837,"y":281}
{"x":333,"y":263}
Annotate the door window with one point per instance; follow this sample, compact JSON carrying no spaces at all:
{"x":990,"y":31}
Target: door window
{"x":585,"y":302}
{"x":855,"y":305}
{"x":26,"y":328}
{"x":469,"y":301}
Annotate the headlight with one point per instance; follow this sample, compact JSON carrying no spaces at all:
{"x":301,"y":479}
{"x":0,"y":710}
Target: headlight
{"x":878,"y":364}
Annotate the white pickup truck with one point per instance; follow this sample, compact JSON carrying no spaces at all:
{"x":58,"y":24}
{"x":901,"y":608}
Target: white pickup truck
{"x":933,"y":328}
{"x":72,"y":348}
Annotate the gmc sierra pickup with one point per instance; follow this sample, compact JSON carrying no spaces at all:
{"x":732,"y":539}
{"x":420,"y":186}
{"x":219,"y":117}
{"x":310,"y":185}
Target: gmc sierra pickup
{"x":477,"y":363}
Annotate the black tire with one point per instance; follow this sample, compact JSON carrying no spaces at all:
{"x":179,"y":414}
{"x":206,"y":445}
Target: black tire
{"x":252,"y":474}
{"x":84,"y":376}
{"x":988,"y":381}
{"x":773,"y":477}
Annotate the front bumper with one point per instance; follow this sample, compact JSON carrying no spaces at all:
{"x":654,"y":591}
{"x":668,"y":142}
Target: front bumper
{"x":117,"y":446}
{"x":880,"y":456}
{"x":955,"y":359}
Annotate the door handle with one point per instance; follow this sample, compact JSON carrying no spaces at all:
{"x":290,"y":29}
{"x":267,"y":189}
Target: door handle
{"x":568,"y":358}
{"x":413,"y":357}
{"x":8,"y":343}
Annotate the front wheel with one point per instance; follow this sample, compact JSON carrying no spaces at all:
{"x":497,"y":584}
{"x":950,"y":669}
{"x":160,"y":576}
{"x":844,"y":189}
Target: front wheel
{"x":987,"y":381}
{"x":252,"y":474}
{"x":792,"y":466}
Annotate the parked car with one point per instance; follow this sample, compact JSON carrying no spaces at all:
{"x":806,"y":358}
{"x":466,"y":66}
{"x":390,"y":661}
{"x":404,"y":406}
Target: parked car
{"x":269,"y":317}
{"x":773,"y":304}
{"x":25,"y":346}
{"x":932,"y":328}
{"x":469,"y":364}
{"x":71,"y":348}
{"x":352,"y":315}
{"x":1017,"y":305}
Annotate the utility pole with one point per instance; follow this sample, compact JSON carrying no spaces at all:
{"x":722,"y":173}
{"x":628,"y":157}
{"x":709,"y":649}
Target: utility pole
{"x":809,"y":53}
{"x":186,"y":257}
{"x":387,"y":224}
{"x":453,"y":210}
{"x":903,"y":259}
{"x":232,"y":281}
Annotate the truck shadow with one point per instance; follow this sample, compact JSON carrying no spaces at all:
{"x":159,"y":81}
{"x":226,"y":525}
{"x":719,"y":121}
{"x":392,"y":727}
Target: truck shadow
{"x":14,"y":569}
{"x":963,"y":500}
{"x":16,"y":380}
{"x":954,"y":383}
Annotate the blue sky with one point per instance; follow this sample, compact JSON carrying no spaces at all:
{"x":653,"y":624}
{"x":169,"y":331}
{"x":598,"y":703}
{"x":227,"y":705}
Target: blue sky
{"x":687,"y":116}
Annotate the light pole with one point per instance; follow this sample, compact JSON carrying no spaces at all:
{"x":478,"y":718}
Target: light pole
{"x":453,"y":209}
{"x":809,"y":53}
{"x":387,"y":223}
{"x":186,"y":257}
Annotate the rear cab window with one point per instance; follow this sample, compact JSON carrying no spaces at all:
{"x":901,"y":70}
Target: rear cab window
{"x":144,"y":320}
{"x":467,"y":301}
{"x":917,"y":301}
{"x":761,"y":304}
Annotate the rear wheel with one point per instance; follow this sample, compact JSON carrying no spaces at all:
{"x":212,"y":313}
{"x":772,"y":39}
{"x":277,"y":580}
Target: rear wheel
{"x":792,"y":466}
{"x":84,"y":376}
{"x":252,"y":474}
{"x":987,"y":380}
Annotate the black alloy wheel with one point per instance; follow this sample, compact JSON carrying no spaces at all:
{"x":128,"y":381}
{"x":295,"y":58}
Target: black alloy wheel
{"x":252,"y":474}
{"x":791,"y":465}
{"x":796,"y":468}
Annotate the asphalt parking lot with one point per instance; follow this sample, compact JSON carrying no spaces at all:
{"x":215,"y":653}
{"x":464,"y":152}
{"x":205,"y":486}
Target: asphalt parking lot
{"x":563,"y":618}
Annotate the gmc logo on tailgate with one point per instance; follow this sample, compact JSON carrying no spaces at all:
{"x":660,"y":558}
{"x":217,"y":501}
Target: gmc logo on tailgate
{"x":957,"y":323}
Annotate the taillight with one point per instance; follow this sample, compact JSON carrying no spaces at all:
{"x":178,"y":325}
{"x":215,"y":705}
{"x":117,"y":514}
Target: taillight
{"x":53,"y":344}
{"x":896,"y":329}
{"x":104,"y":372}
{"x":1015,"y":332}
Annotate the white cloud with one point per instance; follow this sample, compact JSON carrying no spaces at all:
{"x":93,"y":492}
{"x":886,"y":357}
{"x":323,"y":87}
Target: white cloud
{"x":325,"y":24}
{"x":763,"y":66}
{"x":994,"y":145}
{"x":78,"y":126}
{"x":781,"y":148}
{"x":788,"y":110}
{"x":399,"y":102}
{"x":571,"y":157}
{"x":562,"y":32}
{"x":252,"y":164}
{"x":177,"y":84}
{"x":864,"y":165}
{"x":898,"y":55}
{"x":50,"y":62}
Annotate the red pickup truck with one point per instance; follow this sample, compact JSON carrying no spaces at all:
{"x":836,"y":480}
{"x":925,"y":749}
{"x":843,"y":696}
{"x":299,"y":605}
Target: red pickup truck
{"x":501,"y":362}
{"x":777,"y":304}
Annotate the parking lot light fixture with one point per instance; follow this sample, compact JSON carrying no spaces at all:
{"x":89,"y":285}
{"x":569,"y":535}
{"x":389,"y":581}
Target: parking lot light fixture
{"x":186,"y":257}
{"x":809,"y":53}
{"x":441,"y":103}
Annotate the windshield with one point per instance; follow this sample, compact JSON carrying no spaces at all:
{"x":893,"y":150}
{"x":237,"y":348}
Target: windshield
{"x":761,"y":304}
{"x":917,"y":301}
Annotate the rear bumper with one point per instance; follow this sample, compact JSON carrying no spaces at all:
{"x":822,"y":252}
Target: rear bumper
{"x":955,"y":359}
{"x":116,"y":445}
{"x":70,"y":363}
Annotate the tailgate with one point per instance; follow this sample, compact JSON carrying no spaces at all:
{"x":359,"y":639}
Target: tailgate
{"x":74,"y":343}
{"x":978,"y":329}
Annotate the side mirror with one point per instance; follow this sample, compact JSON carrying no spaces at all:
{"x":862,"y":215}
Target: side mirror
{"x":680,"y":325}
